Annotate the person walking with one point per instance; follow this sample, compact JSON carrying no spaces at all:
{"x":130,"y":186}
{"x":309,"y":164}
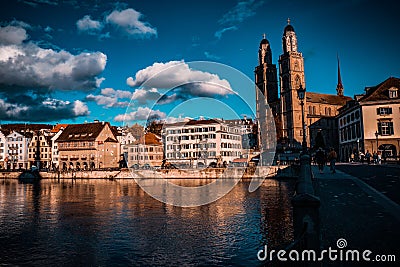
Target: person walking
{"x":332,"y":156}
{"x":375,"y":157}
{"x":368,"y":157}
{"x":361,"y":157}
{"x":320,"y":158}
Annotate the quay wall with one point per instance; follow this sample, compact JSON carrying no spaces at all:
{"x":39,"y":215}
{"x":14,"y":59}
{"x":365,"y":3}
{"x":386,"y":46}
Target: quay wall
{"x":211,"y":173}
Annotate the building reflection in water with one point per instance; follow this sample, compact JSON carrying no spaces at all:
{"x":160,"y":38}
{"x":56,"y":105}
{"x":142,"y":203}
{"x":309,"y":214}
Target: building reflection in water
{"x":98,"y":222}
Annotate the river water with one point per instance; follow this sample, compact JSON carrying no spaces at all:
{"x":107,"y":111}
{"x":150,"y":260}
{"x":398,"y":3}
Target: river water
{"x":102,"y":223}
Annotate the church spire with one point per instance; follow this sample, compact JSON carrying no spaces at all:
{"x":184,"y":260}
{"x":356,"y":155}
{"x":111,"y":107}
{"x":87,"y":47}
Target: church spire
{"x":339,"y":86}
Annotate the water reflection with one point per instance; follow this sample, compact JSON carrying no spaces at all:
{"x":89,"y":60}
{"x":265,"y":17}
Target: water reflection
{"x":101,"y":222}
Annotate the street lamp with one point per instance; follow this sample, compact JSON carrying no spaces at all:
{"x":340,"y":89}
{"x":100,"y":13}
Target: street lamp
{"x":301,"y":92}
{"x":358,"y":149}
{"x":376,"y":135}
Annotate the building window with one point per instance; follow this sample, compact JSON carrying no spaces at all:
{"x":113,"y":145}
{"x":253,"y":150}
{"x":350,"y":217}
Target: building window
{"x":357,"y":114}
{"x":385,"y":128}
{"x":383,"y":111}
{"x":393,"y":92}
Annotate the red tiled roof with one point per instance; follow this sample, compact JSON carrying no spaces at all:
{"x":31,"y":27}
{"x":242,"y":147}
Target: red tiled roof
{"x":149,"y":139}
{"x":327,"y":98}
{"x":57,"y":128}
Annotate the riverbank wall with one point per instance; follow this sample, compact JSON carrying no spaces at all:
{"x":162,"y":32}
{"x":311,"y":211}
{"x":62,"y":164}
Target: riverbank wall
{"x":209,"y":173}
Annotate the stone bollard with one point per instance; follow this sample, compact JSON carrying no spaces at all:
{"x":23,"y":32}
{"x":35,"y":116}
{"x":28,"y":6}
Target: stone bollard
{"x":306,"y":208}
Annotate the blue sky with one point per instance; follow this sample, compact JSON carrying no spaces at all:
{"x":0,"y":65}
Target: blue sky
{"x":69,"y":61}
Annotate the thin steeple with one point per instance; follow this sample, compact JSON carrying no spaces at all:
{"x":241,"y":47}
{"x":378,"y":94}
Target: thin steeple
{"x":339,"y":86}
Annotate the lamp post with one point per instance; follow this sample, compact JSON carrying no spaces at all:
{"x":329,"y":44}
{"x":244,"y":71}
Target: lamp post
{"x":376,"y":135}
{"x":358,"y":149}
{"x":301,"y":92}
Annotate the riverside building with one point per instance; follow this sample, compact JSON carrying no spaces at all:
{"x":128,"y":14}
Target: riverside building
{"x":197,"y":143}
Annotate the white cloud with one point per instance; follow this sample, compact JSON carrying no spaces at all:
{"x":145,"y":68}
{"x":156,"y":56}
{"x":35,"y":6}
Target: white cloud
{"x":110,"y":98}
{"x":142,"y":96}
{"x":86,"y":24}
{"x":48,"y":29}
{"x":178,"y":74}
{"x":211,"y":56}
{"x":80,"y":108}
{"x":175,"y":119}
{"x":244,"y":9}
{"x":128,"y":21}
{"x":219,"y":33}
{"x":99,"y":81}
{"x":116,"y":93}
{"x":107,"y":101}
{"x":10,"y":35}
{"x":28,"y":66}
{"x":142,"y":113}
{"x":240,"y":12}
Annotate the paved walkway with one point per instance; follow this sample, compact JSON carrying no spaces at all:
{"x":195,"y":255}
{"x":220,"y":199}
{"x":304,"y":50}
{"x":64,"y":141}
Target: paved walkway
{"x":353,"y":210}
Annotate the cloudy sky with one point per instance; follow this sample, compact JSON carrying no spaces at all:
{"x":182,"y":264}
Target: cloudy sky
{"x":74,"y":61}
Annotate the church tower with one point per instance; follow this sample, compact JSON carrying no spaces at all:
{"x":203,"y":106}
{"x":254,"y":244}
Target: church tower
{"x":339,"y":86}
{"x":291,"y":75}
{"x":266,"y":73}
{"x":266,"y":96}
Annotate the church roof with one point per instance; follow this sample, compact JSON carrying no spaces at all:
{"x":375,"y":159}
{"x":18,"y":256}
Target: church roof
{"x":264,"y":41}
{"x":289,"y":28}
{"x":326,"y":98}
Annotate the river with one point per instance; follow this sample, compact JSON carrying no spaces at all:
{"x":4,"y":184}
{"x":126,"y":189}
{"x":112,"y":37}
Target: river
{"x":95,"y":222}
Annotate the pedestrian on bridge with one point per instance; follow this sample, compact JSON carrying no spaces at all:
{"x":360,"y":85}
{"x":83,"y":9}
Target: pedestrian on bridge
{"x":320,"y":159}
{"x":332,"y":156}
{"x":368,"y":157}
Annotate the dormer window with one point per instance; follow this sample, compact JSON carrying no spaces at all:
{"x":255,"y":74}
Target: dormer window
{"x":393,"y":92}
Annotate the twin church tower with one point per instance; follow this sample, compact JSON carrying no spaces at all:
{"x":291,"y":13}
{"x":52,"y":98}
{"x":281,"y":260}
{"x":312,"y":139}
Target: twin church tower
{"x":286,"y":107}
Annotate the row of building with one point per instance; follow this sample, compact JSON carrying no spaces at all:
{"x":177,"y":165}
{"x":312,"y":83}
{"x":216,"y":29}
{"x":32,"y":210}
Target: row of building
{"x":80,"y":146}
{"x":99,"y":145}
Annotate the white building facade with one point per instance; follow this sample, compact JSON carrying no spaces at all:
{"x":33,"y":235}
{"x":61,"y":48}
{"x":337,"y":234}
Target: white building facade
{"x":3,"y":145}
{"x":199,"y":143}
{"x":372,"y":122}
{"x":17,"y":150}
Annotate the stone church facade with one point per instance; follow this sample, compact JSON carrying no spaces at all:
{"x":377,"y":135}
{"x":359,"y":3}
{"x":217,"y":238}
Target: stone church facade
{"x":320,"y":109}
